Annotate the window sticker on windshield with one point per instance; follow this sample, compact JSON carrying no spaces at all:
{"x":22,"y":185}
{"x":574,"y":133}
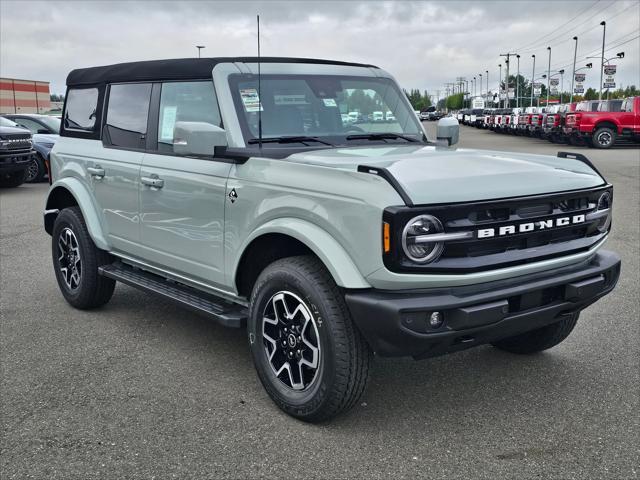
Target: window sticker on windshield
{"x":250,"y":100}
{"x":168,"y":122}
{"x":300,"y":99}
{"x":329,"y":102}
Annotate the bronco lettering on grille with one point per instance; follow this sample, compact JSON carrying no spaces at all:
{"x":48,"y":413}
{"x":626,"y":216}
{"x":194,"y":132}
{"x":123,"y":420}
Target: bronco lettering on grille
{"x":530,"y":226}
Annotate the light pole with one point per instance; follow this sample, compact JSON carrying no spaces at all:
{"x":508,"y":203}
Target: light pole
{"x":619,"y":55}
{"x":533,"y":75}
{"x":480,"y":75}
{"x":561,"y":72}
{"x":604,"y":31}
{"x":548,"y":75}
{"x":474,"y":87}
{"x":518,"y":83}
{"x":573,"y":75}
{"x":506,"y":85}
{"x":487,"y":73}
{"x":199,"y":47}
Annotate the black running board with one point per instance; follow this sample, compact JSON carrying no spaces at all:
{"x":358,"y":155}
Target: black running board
{"x":224,"y":312}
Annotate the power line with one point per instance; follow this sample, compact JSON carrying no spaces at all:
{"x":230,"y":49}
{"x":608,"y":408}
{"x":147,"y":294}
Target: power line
{"x":548,"y":42}
{"x":556,"y":29}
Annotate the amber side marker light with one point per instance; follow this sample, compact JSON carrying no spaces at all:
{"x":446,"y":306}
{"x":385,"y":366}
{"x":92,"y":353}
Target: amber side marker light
{"x":386,"y":238}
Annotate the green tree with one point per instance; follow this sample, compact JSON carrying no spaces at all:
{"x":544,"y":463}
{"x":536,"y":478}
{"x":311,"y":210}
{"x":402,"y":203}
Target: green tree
{"x":591,"y":94}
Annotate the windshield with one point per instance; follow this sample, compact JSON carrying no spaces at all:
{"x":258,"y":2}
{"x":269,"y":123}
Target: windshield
{"x":51,"y":122}
{"x":323,"y":109}
{"x":5,"y":122}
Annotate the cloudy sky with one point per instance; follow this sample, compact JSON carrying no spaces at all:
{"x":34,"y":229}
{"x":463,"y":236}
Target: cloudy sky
{"x":424,"y":44}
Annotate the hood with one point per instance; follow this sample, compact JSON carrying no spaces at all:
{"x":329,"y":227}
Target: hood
{"x":45,"y":137}
{"x":430,"y":174}
{"x":9,"y":131}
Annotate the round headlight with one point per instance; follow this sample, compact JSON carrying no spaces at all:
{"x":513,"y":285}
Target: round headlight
{"x":604,"y":203}
{"x":415,"y":242}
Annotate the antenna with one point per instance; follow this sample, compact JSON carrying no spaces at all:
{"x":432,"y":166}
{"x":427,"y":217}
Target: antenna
{"x":259,"y":92}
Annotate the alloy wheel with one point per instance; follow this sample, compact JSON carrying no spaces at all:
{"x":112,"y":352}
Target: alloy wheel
{"x":291,"y":340}
{"x":69,"y":258}
{"x":33,"y":169}
{"x":604,"y":138}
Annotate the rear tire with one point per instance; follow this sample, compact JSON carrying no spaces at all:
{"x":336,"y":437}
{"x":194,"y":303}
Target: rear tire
{"x":76,"y":260}
{"x":328,"y":359}
{"x":604,"y":137}
{"x":12,"y":179}
{"x":540,"y":339}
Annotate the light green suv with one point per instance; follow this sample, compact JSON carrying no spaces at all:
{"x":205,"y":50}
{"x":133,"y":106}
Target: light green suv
{"x":245,"y":190}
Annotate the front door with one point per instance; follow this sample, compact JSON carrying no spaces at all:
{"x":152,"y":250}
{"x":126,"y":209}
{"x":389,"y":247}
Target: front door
{"x":182,"y":199}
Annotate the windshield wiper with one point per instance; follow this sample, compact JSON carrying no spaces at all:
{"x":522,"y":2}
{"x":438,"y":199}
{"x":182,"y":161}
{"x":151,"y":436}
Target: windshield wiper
{"x":380,"y":136}
{"x":292,"y":139}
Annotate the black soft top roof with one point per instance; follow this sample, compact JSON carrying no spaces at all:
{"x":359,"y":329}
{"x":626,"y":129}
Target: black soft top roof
{"x":174,"y":69}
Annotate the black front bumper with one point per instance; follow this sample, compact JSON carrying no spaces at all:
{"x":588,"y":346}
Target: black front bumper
{"x":14,"y":161}
{"x":397,"y":323}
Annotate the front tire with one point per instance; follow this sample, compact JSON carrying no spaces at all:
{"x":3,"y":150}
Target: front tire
{"x":36,"y":169}
{"x":540,"y":339}
{"x":12,"y":179}
{"x":76,"y":260}
{"x":309,"y":356}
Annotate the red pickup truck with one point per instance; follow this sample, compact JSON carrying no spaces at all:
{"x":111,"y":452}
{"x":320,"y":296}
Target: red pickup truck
{"x":601,"y":129}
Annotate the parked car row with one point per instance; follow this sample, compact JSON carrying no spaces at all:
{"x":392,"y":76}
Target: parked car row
{"x":42,"y":131}
{"x":594,"y":123}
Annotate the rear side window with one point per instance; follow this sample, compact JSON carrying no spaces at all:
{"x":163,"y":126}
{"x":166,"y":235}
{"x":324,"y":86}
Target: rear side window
{"x":127,"y":114}
{"x":185,"y":102}
{"x":80,"y":109}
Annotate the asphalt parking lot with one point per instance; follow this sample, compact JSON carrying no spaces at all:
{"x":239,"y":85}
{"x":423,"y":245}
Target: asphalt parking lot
{"x":144,"y":389}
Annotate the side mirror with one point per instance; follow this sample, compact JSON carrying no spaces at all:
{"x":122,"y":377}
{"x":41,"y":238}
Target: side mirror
{"x":197,"y":139}
{"x":448,"y":129}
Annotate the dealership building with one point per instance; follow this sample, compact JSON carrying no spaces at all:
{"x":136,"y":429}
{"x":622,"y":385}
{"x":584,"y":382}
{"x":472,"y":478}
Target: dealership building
{"x":24,"y":96}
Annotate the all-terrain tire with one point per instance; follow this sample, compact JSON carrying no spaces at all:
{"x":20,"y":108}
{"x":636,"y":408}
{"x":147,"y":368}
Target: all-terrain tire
{"x":36,"y":169}
{"x":540,"y":339}
{"x":344,"y":357}
{"x":12,"y":179}
{"x":90,"y":289}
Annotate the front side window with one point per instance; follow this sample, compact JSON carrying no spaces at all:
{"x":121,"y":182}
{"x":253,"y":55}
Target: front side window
{"x":127,"y":115}
{"x":29,"y":124}
{"x":80,"y":109}
{"x":185,"y":102}
{"x":335,"y":110}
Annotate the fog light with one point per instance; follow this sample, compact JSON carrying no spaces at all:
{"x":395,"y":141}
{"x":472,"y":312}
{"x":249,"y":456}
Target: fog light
{"x":436,"y":320}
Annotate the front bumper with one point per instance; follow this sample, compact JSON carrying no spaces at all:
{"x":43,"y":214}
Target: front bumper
{"x":14,"y":161}
{"x":396,"y":323}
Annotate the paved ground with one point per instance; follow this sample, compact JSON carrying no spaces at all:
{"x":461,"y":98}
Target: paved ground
{"x":143,"y":389}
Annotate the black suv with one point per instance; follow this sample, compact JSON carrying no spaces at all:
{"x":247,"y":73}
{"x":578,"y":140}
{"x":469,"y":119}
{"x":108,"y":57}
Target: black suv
{"x":16,"y":148}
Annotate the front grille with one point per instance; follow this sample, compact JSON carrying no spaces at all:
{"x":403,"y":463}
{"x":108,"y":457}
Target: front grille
{"x":17,"y":142}
{"x":483,"y":253}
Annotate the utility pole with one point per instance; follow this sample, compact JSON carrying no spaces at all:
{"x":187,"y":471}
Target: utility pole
{"x":199,"y":47}
{"x":533,"y":76}
{"x":604,"y":30}
{"x":548,"y":75}
{"x":573,"y":74}
{"x":499,"y":82}
{"x":506,"y":83}
{"x":518,"y":82}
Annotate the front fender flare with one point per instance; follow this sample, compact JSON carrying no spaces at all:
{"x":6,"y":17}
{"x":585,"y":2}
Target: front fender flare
{"x":85,"y":201}
{"x":329,"y":251}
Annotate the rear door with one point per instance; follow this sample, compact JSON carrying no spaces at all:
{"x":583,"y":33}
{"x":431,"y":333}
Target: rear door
{"x":182,"y":199}
{"x":115,"y":171}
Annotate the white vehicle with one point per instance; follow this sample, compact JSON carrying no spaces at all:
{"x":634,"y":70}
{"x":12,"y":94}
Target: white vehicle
{"x":345,"y":119}
{"x":390,"y":117}
{"x":354,"y":117}
{"x":378,"y":116}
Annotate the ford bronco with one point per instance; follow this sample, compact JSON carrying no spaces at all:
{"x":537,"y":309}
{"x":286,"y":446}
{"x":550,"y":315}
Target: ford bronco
{"x":236,"y":188}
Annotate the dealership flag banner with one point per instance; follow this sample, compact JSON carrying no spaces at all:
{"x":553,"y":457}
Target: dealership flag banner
{"x":610,"y":79}
{"x":537,"y":89}
{"x":579,"y":86}
{"x":554,"y":82}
